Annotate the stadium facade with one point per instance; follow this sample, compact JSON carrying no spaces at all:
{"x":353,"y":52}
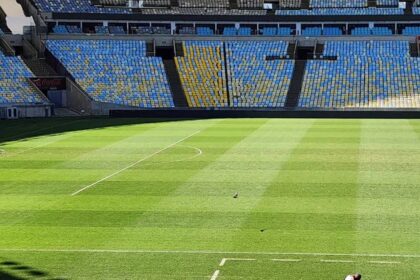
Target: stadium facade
{"x":87,"y":57}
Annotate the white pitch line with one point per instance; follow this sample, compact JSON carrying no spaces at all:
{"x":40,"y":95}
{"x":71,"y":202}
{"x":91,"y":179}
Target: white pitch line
{"x":286,"y":260}
{"x":224,"y":260}
{"x":134,"y":164}
{"x":384,"y":262}
{"x":337,"y":261}
{"x":121,"y":251}
{"x":215,"y":275}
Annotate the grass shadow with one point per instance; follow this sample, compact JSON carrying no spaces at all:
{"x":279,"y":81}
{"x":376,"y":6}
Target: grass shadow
{"x":15,"y":130}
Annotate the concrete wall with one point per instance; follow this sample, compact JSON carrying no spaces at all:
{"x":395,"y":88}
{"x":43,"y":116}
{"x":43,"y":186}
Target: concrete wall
{"x":77,"y":99}
{"x":82,"y":103}
{"x":28,"y":111}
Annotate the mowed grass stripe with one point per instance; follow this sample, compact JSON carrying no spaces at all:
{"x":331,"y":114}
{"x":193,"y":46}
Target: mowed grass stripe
{"x":303,"y":175}
{"x":373,"y":143}
{"x":199,"y":219}
{"x":188,"y":205}
{"x":185,"y":169}
{"x":253,"y":144}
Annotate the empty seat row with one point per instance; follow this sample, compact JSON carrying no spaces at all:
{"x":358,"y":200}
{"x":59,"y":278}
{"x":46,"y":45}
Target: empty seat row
{"x":341,"y":11}
{"x":255,"y":81}
{"x":115,"y":71}
{"x":378,"y":74}
{"x":202,"y":73}
{"x":14,"y":85}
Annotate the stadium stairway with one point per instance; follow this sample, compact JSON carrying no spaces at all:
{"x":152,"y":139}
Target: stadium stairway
{"x":291,"y":50}
{"x":179,"y":50}
{"x":372,"y":4}
{"x":174,"y":3}
{"x":40,"y":67}
{"x":408,"y":8}
{"x":319,"y":50}
{"x":233,"y":4}
{"x":296,"y":84}
{"x":6,"y":48}
{"x":177,"y":90}
{"x":305,"y":4}
{"x":414,"y":50}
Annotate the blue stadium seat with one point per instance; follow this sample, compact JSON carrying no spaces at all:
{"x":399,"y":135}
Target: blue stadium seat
{"x":374,"y":74}
{"x":115,"y":71}
{"x":255,"y":81}
{"x":14,"y":87}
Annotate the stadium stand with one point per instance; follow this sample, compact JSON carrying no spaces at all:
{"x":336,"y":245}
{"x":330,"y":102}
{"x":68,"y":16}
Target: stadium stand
{"x":156,"y":3}
{"x":204,"y":11}
{"x":204,"y":4}
{"x":366,"y":31}
{"x":332,"y":31}
{"x":115,"y":71}
{"x":290,"y":3}
{"x":14,"y":87}
{"x":312,"y":31}
{"x":75,"y":6}
{"x":411,"y":31}
{"x":338,"y":3}
{"x":387,"y":3}
{"x":255,"y":81}
{"x":205,"y":31}
{"x":341,"y":11}
{"x":202,"y":73}
{"x":374,"y":74}
{"x":250,"y":3}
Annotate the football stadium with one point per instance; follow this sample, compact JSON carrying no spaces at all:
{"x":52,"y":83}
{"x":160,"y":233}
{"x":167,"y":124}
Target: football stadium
{"x":210,"y":139}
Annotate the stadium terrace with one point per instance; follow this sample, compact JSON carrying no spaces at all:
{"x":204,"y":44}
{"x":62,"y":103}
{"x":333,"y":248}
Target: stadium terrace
{"x":210,"y":139}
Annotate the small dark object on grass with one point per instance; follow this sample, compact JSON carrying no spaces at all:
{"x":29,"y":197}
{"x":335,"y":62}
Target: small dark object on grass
{"x":236,"y":195}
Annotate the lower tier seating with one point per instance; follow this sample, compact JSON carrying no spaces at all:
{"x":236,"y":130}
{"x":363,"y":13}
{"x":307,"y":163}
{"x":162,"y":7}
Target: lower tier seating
{"x":255,"y":81}
{"x":115,"y":71}
{"x":14,"y":87}
{"x":366,"y":74}
{"x":202,"y":73}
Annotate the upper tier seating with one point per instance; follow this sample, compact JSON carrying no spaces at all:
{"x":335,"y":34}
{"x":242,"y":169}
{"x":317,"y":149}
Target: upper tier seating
{"x":338,"y":3}
{"x":202,"y":73}
{"x":411,"y":31}
{"x":255,"y":81}
{"x":205,"y":31}
{"x":156,"y":3}
{"x":14,"y":87}
{"x":341,"y":11}
{"x":274,"y":31}
{"x":203,"y":11}
{"x":366,"y":31}
{"x":387,"y":3}
{"x":204,"y":4}
{"x":290,"y":3}
{"x":367,"y":74}
{"x":115,"y":71}
{"x":250,"y":3}
{"x":75,"y":6}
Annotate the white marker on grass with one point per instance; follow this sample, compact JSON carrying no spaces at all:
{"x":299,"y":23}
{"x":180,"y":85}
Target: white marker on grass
{"x":134,"y":164}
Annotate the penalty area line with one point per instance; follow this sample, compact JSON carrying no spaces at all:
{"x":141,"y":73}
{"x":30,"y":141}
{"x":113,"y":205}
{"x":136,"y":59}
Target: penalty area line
{"x":215,"y":275}
{"x":286,"y":260}
{"x":224,"y":260}
{"x":134,"y":164}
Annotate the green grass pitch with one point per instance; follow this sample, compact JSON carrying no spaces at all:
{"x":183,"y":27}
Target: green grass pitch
{"x":136,"y":199}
